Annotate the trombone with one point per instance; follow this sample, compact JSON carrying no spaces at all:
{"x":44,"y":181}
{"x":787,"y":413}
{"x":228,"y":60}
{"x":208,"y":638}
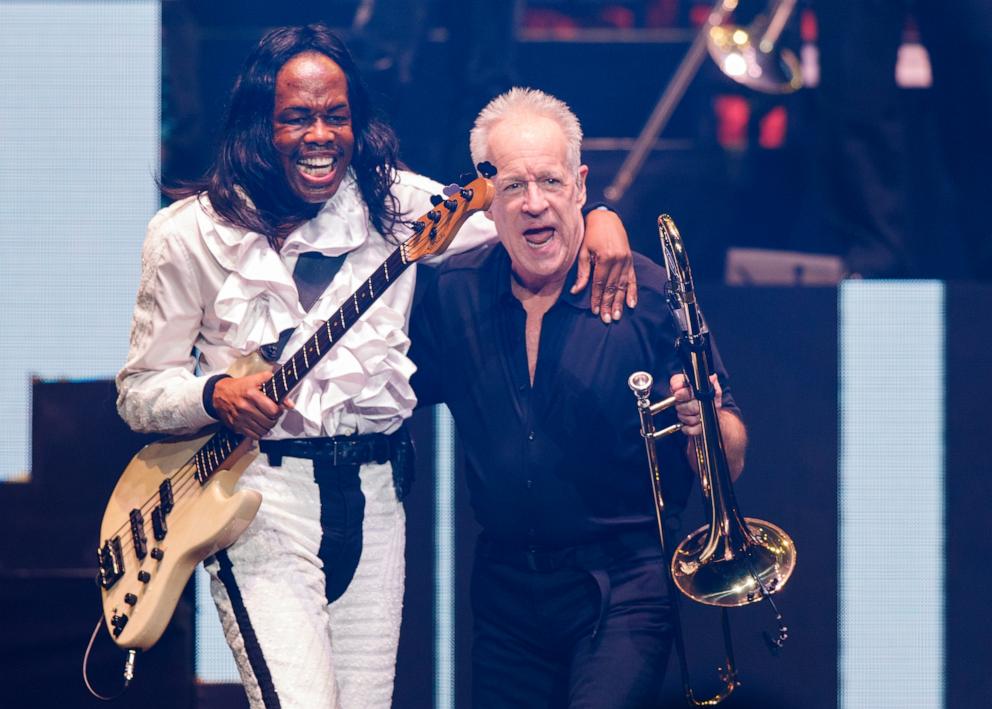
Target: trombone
{"x":733,"y":560}
{"x":749,"y":55}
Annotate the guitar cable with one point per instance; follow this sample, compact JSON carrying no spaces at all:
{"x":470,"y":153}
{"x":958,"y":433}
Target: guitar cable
{"x":128,"y":667}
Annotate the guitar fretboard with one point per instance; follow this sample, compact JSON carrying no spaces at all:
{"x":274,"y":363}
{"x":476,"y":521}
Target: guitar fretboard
{"x":215,"y":451}
{"x":287,"y":376}
{"x":432,"y":233}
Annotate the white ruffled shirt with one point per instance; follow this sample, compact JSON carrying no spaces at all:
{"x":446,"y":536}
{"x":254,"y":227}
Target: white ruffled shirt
{"x":211,"y":293}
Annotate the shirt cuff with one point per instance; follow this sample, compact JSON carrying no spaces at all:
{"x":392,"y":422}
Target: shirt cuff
{"x":208,"y":395}
{"x":596,"y":205}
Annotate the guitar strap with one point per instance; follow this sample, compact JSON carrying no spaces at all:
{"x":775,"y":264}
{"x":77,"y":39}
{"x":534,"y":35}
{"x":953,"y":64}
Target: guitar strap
{"x":313,"y":274}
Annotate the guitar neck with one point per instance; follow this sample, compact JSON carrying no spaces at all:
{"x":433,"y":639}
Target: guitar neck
{"x":432,"y":233}
{"x":211,"y":456}
{"x":289,"y":374}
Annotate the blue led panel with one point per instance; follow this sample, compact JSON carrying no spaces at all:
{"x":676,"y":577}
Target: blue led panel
{"x":891,"y":497}
{"x":79,"y":140}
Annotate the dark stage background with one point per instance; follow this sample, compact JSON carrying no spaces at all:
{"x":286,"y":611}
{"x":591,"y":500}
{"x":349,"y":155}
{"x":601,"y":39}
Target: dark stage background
{"x":433,"y":65}
{"x":729,"y":174}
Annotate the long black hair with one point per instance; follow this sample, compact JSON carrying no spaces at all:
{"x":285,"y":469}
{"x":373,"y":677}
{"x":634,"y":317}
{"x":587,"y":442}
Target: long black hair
{"x":247,"y":162}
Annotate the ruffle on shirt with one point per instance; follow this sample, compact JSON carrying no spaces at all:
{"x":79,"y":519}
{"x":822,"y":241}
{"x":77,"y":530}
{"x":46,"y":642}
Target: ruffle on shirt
{"x":365,"y":378}
{"x":259,"y":300}
{"x":363,"y":383}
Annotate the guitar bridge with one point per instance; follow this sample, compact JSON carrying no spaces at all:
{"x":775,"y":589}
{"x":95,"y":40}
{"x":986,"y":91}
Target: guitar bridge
{"x":110,"y":559}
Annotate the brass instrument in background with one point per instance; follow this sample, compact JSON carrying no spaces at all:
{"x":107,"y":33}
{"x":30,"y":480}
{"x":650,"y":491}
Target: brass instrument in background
{"x":752,"y":55}
{"x":732,"y":560}
{"x":761,"y":64}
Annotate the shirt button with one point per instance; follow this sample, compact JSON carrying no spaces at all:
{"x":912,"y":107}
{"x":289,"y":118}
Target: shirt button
{"x":530,"y":436}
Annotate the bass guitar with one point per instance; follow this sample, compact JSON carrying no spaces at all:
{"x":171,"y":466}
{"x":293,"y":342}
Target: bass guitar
{"x":175,"y":503}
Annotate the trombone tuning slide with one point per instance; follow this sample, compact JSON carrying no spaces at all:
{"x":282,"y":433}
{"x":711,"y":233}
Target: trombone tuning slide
{"x":660,"y":406}
{"x":667,"y":431}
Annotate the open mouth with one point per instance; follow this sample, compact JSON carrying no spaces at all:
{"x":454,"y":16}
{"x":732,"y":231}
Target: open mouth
{"x":316,"y":169}
{"x":538,"y":237}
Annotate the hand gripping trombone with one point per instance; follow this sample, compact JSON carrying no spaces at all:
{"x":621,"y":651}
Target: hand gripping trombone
{"x":733,"y":560}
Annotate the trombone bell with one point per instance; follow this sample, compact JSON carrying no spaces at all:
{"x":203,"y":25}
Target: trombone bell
{"x":751,"y":55}
{"x":768,"y":72}
{"x":733,"y":576}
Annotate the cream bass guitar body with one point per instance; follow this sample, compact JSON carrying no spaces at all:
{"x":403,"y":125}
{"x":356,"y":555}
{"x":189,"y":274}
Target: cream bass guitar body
{"x":176,"y":503}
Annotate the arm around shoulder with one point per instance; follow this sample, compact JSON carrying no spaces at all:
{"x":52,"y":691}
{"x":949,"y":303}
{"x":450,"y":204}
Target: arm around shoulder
{"x":413,"y":192}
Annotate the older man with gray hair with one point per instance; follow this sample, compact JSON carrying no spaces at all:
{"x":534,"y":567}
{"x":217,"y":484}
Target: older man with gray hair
{"x":568,"y":592}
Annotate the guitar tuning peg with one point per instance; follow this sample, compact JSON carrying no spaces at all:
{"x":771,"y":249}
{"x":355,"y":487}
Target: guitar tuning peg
{"x":452,"y":189}
{"x":436,"y":199}
{"x":486,"y":169}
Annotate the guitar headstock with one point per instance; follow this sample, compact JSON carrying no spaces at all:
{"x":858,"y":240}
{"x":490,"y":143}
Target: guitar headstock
{"x":434,"y":231}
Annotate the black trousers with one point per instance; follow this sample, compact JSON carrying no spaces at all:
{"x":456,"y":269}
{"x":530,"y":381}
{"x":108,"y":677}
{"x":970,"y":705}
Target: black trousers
{"x":576,"y":634}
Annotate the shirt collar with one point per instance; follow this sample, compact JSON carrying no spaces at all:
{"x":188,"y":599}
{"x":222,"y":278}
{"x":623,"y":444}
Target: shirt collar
{"x":501,"y":272}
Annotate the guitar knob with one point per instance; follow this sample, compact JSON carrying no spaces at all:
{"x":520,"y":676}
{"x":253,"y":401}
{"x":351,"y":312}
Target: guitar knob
{"x":434,"y":216}
{"x":436,"y":199}
{"x":157,"y":554}
{"x":466,"y":194}
{"x":144,"y":576}
{"x":118,"y":621}
{"x":450,"y":204}
{"x":130,"y":599}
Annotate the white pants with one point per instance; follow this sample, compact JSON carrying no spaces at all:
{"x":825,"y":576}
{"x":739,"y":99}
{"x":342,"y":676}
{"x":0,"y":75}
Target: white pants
{"x":293,"y":649}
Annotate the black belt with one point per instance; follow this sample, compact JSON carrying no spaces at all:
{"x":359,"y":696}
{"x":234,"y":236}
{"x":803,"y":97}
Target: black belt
{"x":339,"y":450}
{"x":622,"y":545}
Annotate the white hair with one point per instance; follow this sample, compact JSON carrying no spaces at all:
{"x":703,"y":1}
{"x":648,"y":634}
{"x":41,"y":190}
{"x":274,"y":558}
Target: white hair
{"x":524,"y":101}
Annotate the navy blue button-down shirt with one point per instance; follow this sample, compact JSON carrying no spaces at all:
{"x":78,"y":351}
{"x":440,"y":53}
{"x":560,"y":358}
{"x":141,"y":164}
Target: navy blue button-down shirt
{"x":562,"y":462}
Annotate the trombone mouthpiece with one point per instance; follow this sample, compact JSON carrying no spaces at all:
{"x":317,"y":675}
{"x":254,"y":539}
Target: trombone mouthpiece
{"x":640,"y":383}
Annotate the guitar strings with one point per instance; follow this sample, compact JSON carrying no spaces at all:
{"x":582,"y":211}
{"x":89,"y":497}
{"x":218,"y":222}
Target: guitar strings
{"x":189,"y":467}
{"x":180,"y":487}
{"x":184,"y":483}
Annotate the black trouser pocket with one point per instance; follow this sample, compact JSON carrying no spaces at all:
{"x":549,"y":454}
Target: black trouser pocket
{"x":342,"y":510}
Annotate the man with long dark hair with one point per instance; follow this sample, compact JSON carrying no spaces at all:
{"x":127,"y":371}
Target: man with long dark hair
{"x":304,"y":200}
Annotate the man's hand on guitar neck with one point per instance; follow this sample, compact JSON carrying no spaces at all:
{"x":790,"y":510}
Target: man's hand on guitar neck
{"x":243,"y":407}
